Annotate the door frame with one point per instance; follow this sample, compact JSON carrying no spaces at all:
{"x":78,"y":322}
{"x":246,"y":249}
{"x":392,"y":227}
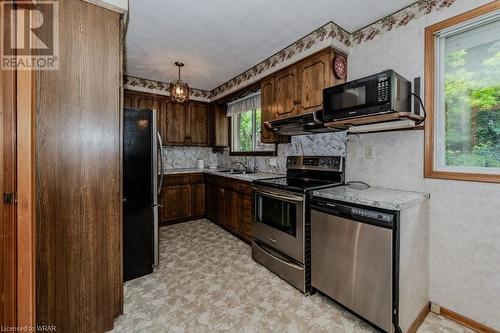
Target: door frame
{"x":21,"y":137}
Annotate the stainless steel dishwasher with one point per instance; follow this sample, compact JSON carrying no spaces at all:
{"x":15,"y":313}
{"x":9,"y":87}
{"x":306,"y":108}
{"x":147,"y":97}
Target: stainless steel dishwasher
{"x":353,"y":257}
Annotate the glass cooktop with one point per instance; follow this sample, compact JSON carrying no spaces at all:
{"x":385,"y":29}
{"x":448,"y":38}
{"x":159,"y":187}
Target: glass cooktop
{"x":296,"y":184}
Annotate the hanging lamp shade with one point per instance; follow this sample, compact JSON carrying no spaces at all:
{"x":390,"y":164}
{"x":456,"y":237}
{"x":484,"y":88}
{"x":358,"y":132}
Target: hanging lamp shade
{"x":179,"y":90}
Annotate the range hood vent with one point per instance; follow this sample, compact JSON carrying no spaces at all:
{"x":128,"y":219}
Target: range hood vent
{"x":309,"y":123}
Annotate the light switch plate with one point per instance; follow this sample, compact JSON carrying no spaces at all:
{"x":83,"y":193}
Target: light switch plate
{"x":273,"y":161}
{"x":369,"y":152}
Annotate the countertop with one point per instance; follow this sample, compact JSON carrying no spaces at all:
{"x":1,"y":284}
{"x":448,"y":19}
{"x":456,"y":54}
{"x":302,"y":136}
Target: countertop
{"x":375,"y":197}
{"x":246,"y":177}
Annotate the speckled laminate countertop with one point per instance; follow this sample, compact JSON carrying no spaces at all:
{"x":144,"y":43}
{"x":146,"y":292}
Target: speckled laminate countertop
{"x":246,"y":177}
{"x":374,"y":196}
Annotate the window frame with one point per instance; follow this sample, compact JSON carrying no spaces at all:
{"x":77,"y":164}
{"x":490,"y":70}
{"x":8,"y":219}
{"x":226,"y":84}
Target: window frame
{"x":248,"y":153}
{"x":430,"y":170}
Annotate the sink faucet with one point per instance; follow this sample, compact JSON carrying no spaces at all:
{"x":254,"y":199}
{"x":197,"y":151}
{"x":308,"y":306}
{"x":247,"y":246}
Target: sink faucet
{"x":245,"y":165}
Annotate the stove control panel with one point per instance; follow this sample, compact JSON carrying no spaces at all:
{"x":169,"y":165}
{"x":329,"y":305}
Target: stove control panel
{"x":326,"y":163}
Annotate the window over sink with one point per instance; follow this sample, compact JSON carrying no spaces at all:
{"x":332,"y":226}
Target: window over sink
{"x":463,"y":95}
{"x":245,"y":114}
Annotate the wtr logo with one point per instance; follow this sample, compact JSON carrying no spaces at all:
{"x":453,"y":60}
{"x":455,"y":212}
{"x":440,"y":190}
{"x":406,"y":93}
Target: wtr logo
{"x":30,"y":35}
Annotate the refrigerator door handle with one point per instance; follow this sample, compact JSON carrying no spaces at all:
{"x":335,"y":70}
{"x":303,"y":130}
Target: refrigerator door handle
{"x":160,"y":145}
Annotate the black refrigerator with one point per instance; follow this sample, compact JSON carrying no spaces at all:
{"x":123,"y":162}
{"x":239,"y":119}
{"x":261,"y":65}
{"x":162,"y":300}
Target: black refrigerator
{"x":142,"y":151}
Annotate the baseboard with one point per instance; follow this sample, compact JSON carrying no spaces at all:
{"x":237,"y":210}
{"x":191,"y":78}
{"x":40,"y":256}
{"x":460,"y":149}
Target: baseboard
{"x":420,"y":318}
{"x":467,"y":322}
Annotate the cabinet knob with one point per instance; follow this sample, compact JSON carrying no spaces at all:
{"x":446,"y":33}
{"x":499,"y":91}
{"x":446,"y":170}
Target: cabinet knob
{"x":297,"y":102}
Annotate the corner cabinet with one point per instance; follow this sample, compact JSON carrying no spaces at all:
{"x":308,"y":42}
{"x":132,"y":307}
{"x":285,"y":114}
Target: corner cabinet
{"x":187,"y":124}
{"x":296,"y":90}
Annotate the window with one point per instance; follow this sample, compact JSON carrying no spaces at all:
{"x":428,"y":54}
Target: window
{"x":245,"y":116}
{"x":463,"y":95}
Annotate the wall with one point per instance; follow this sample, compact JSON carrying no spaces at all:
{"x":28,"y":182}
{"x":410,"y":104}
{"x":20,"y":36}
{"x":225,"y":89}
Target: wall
{"x":319,"y":144}
{"x":465,"y":227}
{"x":187,"y":157}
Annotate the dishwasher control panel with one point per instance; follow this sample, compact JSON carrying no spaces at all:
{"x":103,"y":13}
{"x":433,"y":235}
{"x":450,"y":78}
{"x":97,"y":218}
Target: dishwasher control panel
{"x":378,"y":216}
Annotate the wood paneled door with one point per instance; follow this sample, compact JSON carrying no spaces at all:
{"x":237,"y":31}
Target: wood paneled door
{"x":8,"y":228}
{"x":286,"y":90}
{"x":314,"y":75}
{"x":78,"y":141}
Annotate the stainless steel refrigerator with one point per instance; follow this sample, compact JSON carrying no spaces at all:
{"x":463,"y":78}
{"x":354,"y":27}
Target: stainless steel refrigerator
{"x":142,"y":165}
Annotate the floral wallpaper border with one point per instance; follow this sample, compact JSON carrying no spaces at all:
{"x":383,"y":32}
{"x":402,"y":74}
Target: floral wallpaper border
{"x":328,"y":32}
{"x":158,"y":86}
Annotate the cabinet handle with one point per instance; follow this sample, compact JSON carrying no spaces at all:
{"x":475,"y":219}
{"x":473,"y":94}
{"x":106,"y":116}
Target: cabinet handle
{"x":297,"y":102}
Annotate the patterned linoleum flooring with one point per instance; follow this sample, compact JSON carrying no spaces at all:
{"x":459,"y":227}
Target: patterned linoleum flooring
{"x":208,"y":282}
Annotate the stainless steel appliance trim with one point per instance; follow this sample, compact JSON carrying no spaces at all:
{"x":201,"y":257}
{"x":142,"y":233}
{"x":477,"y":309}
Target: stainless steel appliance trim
{"x":160,"y":145}
{"x":275,"y":256}
{"x":358,"y":270}
{"x":280,"y":195}
{"x":292,"y":246}
{"x":156,"y":249}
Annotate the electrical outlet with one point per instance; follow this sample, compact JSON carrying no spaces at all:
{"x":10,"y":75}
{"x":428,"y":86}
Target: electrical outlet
{"x":369,"y":153}
{"x":273,"y":161}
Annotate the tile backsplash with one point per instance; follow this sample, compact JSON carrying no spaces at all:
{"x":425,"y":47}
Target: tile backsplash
{"x":317,"y":144}
{"x":187,"y":157}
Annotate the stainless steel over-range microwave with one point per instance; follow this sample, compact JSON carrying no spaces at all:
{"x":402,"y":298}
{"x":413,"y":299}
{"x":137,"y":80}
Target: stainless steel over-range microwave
{"x":375,"y":94}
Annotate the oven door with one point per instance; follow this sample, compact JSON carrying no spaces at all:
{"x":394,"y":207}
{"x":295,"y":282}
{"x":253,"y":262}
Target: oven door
{"x":278,"y":221}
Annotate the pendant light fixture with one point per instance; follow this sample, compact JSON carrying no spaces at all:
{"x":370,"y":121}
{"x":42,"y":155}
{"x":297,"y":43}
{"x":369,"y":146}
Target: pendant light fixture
{"x":179,"y":90}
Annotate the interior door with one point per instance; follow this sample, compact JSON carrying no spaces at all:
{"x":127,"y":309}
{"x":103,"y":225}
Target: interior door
{"x":8,"y":228}
{"x":314,"y":75}
{"x":286,"y":92}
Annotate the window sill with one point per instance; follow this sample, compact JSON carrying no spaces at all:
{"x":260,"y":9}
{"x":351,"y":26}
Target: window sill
{"x":462,"y":176}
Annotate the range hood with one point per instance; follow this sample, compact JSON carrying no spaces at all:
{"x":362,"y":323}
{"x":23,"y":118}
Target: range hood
{"x":309,"y":123}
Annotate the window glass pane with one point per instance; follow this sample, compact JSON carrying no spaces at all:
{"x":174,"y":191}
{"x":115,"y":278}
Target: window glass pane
{"x":471,"y":70}
{"x":245,"y":131}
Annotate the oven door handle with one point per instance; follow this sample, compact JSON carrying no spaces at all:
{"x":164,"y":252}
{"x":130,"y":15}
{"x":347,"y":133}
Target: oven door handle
{"x":278,"y":196}
{"x":272,"y":255}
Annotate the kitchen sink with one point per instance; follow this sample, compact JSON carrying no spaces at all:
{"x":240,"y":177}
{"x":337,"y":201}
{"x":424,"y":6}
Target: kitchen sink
{"x":235,"y":172}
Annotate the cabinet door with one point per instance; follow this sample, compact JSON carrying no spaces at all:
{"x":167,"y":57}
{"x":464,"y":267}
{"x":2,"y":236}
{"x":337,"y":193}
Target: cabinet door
{"x":220,"y":212}
{"x":220,"y":125}
{"x":177,"y":203}
{"x":129,"y":100}
{"x":232,"y":207}
{"x":267,"y":109}
{"x":198,"y":193}
{"x":199,"y":119}
{"x":176,"y":124}
{"x":245,"y":217}
{"x":286,"y":93}
{"x":314,"y":74}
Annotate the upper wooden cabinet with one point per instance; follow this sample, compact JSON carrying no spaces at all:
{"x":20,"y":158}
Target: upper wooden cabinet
{"x":286,"y":92}
{"x":220,"y":129}
{"x":314,"y":75}
{"x":187,"y":124}
{"x":199,"y":121}
{"x":296,"y":90}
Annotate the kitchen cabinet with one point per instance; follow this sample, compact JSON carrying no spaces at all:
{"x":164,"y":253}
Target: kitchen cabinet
{"x":182,"y":198}
{"x":199,"y":121}
{"x":220,"y":129}
{"x":186,"y":124}
{"x":296,"y":90}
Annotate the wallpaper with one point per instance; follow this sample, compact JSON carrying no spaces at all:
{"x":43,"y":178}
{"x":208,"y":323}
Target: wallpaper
{"x":329,"y":34}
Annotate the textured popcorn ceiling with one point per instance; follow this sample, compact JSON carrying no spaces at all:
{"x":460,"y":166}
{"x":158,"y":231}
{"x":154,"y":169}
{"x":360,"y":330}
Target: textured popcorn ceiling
{"x":219,"y":39}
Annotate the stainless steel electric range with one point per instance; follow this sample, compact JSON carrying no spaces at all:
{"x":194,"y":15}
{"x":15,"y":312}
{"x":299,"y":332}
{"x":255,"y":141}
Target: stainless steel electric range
{"x":281,"y":227}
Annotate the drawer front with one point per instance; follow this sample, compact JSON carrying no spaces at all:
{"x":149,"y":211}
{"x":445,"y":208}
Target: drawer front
{"x":183,"y":179}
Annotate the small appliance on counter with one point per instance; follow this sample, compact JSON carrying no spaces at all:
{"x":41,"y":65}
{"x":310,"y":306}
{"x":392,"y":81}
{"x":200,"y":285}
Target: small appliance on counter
{"x":369,"y":253}
{"x":142,"y":152}
{"x":385,"y":92}
{"x":280,"y":226}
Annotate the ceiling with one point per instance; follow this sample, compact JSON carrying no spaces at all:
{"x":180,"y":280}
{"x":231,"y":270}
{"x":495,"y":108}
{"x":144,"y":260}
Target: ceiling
{"x":219,"y":39}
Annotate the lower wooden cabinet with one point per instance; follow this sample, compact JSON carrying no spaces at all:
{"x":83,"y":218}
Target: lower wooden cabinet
{"x":182,"y":198}
{"x":225,"y":201}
